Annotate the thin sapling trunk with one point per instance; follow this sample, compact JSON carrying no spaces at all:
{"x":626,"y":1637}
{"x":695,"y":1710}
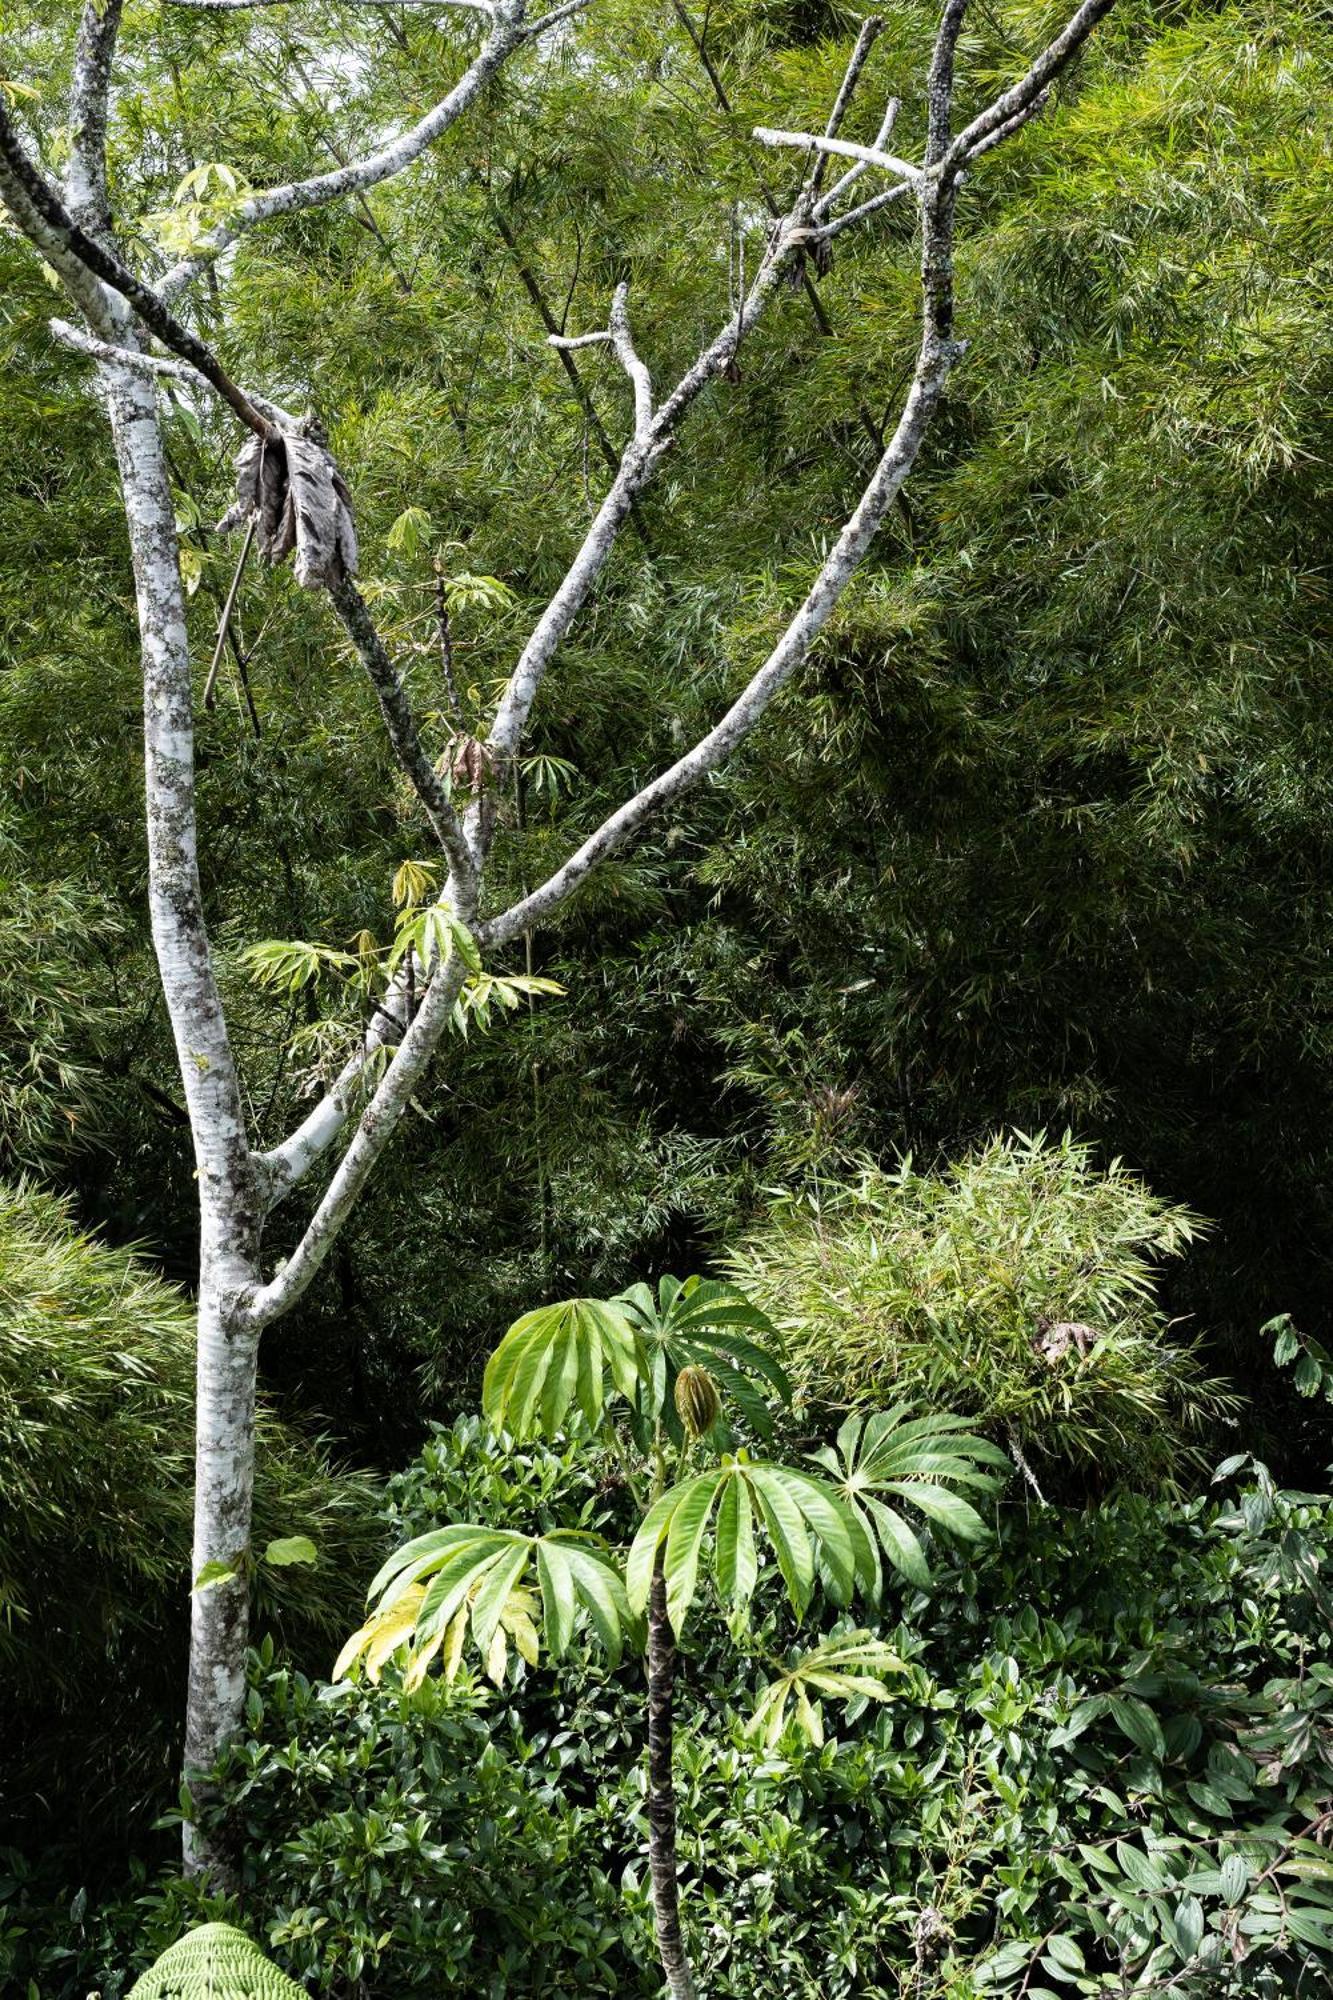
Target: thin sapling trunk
{"x":662,"y":1794}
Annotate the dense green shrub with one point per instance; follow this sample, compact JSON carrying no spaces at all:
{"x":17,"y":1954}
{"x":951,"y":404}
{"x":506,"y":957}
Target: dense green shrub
{"x":1017,"y":1286}
{"x":1111,"y":1767}
{"x":96,"y":1464}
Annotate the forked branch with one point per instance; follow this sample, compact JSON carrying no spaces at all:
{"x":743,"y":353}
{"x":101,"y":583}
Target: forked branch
{"x":654,"y":432}
{"x":938,"y":354}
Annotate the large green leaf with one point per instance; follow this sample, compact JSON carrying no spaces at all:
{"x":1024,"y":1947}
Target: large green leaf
{"x":703,"y":1322}
{"x":809,"y":1528}
{"x":642,"y":1558}
{"x":435,"y":1589}
{"x":736,"y":1564}
{"x":849,"y":1666}
{"x":557,"y":1355}
{"x":785,"y":1522}
{"x":917,"y":1462}
{"x":684,"y":1542}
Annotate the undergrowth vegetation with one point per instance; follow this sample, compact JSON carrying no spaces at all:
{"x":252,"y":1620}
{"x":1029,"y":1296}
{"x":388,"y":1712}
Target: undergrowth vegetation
{"x":96,"y":1442}
{"x":1107,"y":1769}
{"x":1038,"y":844}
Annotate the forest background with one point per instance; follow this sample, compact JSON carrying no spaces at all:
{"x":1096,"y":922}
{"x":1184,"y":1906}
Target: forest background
{"x":1042,"y":840}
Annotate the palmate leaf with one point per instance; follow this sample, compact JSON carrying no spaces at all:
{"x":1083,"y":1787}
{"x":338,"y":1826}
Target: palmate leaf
{"x":464,"y":1581}
{"x":559,"y":1356}
{"x":702,"y":1322}
{"x":894,"y":1459}
{"x":810,"y":1529}
{"x":848,"y":1666}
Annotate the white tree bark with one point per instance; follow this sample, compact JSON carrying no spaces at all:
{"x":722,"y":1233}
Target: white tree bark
{"x":229,"y":1210}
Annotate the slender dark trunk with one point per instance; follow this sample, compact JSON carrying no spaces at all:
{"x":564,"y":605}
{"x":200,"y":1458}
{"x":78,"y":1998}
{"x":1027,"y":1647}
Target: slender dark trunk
{"x":662,"y":1795}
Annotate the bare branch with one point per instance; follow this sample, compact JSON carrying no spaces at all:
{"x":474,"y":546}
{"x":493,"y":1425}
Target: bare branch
{"x":1020,"y":99}
{"x":375,"y":1128}
{"x":938,"y":353}
{"x":1011,"y":125}
{"x":865,"y":41}
{"x":551,"y":20}
{"x":352,"y":609}
{"x":295,"y":196}
{"x":939,"y":83}
{"x":636,"y":467}
{"x":653,"y":436}
{"x":618,"y":335}
{"x":163,"y":365}
{"x":284,"y":1165}
{"x":568,"y":343}
{"x":853,"y":174}
{"x":846,"y":149}
{"x":712,"y":750}
{"x":229,"y":606}
{"x":641,"y":381}
{"x":85,"y":176}
{"x":835,"y":228}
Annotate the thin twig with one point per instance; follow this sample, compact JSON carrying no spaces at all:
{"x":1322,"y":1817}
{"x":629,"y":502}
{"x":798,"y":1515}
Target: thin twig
{"x":447,"y":652}
{"x":853,"y":174}
{"x":847,"y":149}
{"x":865,"y":41}
{"x":623,"y":342}
{"x":867,"y":208}
{"x":224,"y":623}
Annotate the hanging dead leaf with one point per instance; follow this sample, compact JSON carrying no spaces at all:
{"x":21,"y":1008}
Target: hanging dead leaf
{"x":472,"y":763}
{"x":291,"y":485}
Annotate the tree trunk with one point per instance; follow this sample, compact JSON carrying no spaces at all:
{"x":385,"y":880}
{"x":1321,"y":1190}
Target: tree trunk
{"x":662,"y":1795}
{"x":224,"y":1479}
{"x":230,"y":1212}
